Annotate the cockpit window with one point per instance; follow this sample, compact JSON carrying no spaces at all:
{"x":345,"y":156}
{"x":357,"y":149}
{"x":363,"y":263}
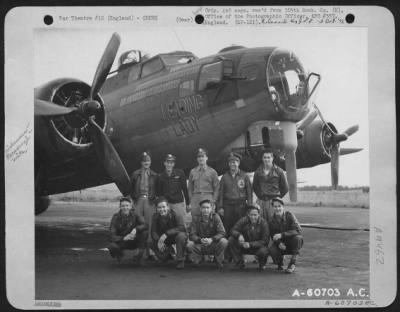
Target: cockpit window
{"x":286,"y":80}
{"x":152,"y":66}
{"x":210,"y":73}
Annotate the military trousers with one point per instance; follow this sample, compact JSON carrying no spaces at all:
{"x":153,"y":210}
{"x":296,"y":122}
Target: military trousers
{"x":293,"y":245}
{"x":215,"y":248}
{"x":116,"y":248}
{"x":179,"y":240}
{"x":238,"y":251}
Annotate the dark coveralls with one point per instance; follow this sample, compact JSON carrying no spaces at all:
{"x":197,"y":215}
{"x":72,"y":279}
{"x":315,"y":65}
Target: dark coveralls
{"x":256,"y":234}
{"x":234,"y":193}
{"x":120,"y":227}
{"x":290,"y":229}
{"x":211,"y":228}
{"x":173,"y":226}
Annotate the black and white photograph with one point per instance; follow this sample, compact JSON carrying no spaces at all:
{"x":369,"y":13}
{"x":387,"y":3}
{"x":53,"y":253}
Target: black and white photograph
{"x":200,"y":157}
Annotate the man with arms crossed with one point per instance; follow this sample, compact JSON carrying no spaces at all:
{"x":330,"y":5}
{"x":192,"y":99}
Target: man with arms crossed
{"x":128,"y":231}
{"x":207,"y":235}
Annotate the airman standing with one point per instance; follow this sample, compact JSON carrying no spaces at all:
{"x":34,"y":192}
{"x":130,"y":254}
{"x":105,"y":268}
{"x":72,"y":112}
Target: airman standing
{"x":235,"y":192}
{"x":269,"y":182}
{"x":172,"y":185}
{"x":203,"y":184}
{"x":143,"y":191}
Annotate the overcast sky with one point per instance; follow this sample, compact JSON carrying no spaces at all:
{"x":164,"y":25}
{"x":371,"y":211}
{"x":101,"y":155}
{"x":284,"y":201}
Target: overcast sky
{"x":338,"y":54}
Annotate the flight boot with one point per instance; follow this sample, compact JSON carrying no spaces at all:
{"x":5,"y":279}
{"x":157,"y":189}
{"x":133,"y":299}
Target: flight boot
{"x":139,"y":258}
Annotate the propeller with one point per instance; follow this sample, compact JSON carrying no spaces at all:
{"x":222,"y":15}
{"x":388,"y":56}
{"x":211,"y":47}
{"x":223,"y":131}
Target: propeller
{"x":105,"y":64}
{"x":87,"y":108}
{"x":333,"y":140}
{"x":45,"y":108}
{"x":109,"y":157}
{"x":302,"y":124}
{"x":349,"y":150}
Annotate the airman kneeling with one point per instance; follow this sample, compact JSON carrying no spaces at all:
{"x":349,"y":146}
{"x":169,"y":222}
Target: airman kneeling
{"x":168,"y":229}
{"x":250,"y":235}
{"x":128,"y":230}
{"x":207,"y":235}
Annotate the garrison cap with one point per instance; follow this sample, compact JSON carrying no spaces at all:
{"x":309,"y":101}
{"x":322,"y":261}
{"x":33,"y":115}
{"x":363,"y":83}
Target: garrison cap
{"x":278,"y":199}
{"x":234,"y":156}
{"x":201,"y":152}
{"x":170,"y":157}
{"x":145,"y":156}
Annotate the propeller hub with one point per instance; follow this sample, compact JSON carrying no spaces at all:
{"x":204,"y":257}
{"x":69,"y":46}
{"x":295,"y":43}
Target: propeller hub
{"x":90,"y":107}
{"x":337,"y":138}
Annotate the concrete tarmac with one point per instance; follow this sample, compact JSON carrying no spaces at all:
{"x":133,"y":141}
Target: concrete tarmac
{"x":72,"y":263}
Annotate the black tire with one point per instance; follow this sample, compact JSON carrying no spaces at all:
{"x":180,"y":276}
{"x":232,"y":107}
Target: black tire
{"x":41,"y":204}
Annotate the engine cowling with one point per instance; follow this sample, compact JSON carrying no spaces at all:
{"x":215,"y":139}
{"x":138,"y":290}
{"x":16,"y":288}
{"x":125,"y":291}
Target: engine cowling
{"x":314,"y":147}
{"x":65,"y":136}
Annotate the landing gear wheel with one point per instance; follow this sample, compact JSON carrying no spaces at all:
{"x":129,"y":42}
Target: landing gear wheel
{"x":41,"y":204}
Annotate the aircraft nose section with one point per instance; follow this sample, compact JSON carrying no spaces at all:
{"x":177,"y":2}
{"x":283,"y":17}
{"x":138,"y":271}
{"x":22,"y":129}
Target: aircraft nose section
{"x":286,"y":83}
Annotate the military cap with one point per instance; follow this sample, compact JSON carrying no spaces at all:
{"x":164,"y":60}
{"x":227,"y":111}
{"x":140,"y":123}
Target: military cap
{"x":278,"y":199}
{"x":170,"y":157}
{"x":201,"y":152}
{"x":145,"y":156}
{"x":234,"y":156}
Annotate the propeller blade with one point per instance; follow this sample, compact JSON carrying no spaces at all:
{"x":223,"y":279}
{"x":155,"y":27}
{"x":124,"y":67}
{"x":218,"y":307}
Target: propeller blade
{"x":109,"y":157}
{"x":44,"y":108}
{"x":350,"y":131}
{"x":335,"y":165}
{"x":349,"y":150}
{"x":105,"y":64}
{"x":290,"y":166}
{"x":302,"y":124}
{"x":340,"y":137}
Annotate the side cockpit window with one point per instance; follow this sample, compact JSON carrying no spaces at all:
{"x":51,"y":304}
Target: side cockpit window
{"x":152,"y":66}
{"x":210,"y":74}
{"x":134,"y":72}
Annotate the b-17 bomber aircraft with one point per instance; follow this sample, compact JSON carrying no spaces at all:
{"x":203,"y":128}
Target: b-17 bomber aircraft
{"x":240,"y":99}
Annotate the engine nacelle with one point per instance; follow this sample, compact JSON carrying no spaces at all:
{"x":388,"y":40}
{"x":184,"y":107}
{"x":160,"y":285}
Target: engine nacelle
{"x":313,"y":148}
{"x":65,"y":136}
